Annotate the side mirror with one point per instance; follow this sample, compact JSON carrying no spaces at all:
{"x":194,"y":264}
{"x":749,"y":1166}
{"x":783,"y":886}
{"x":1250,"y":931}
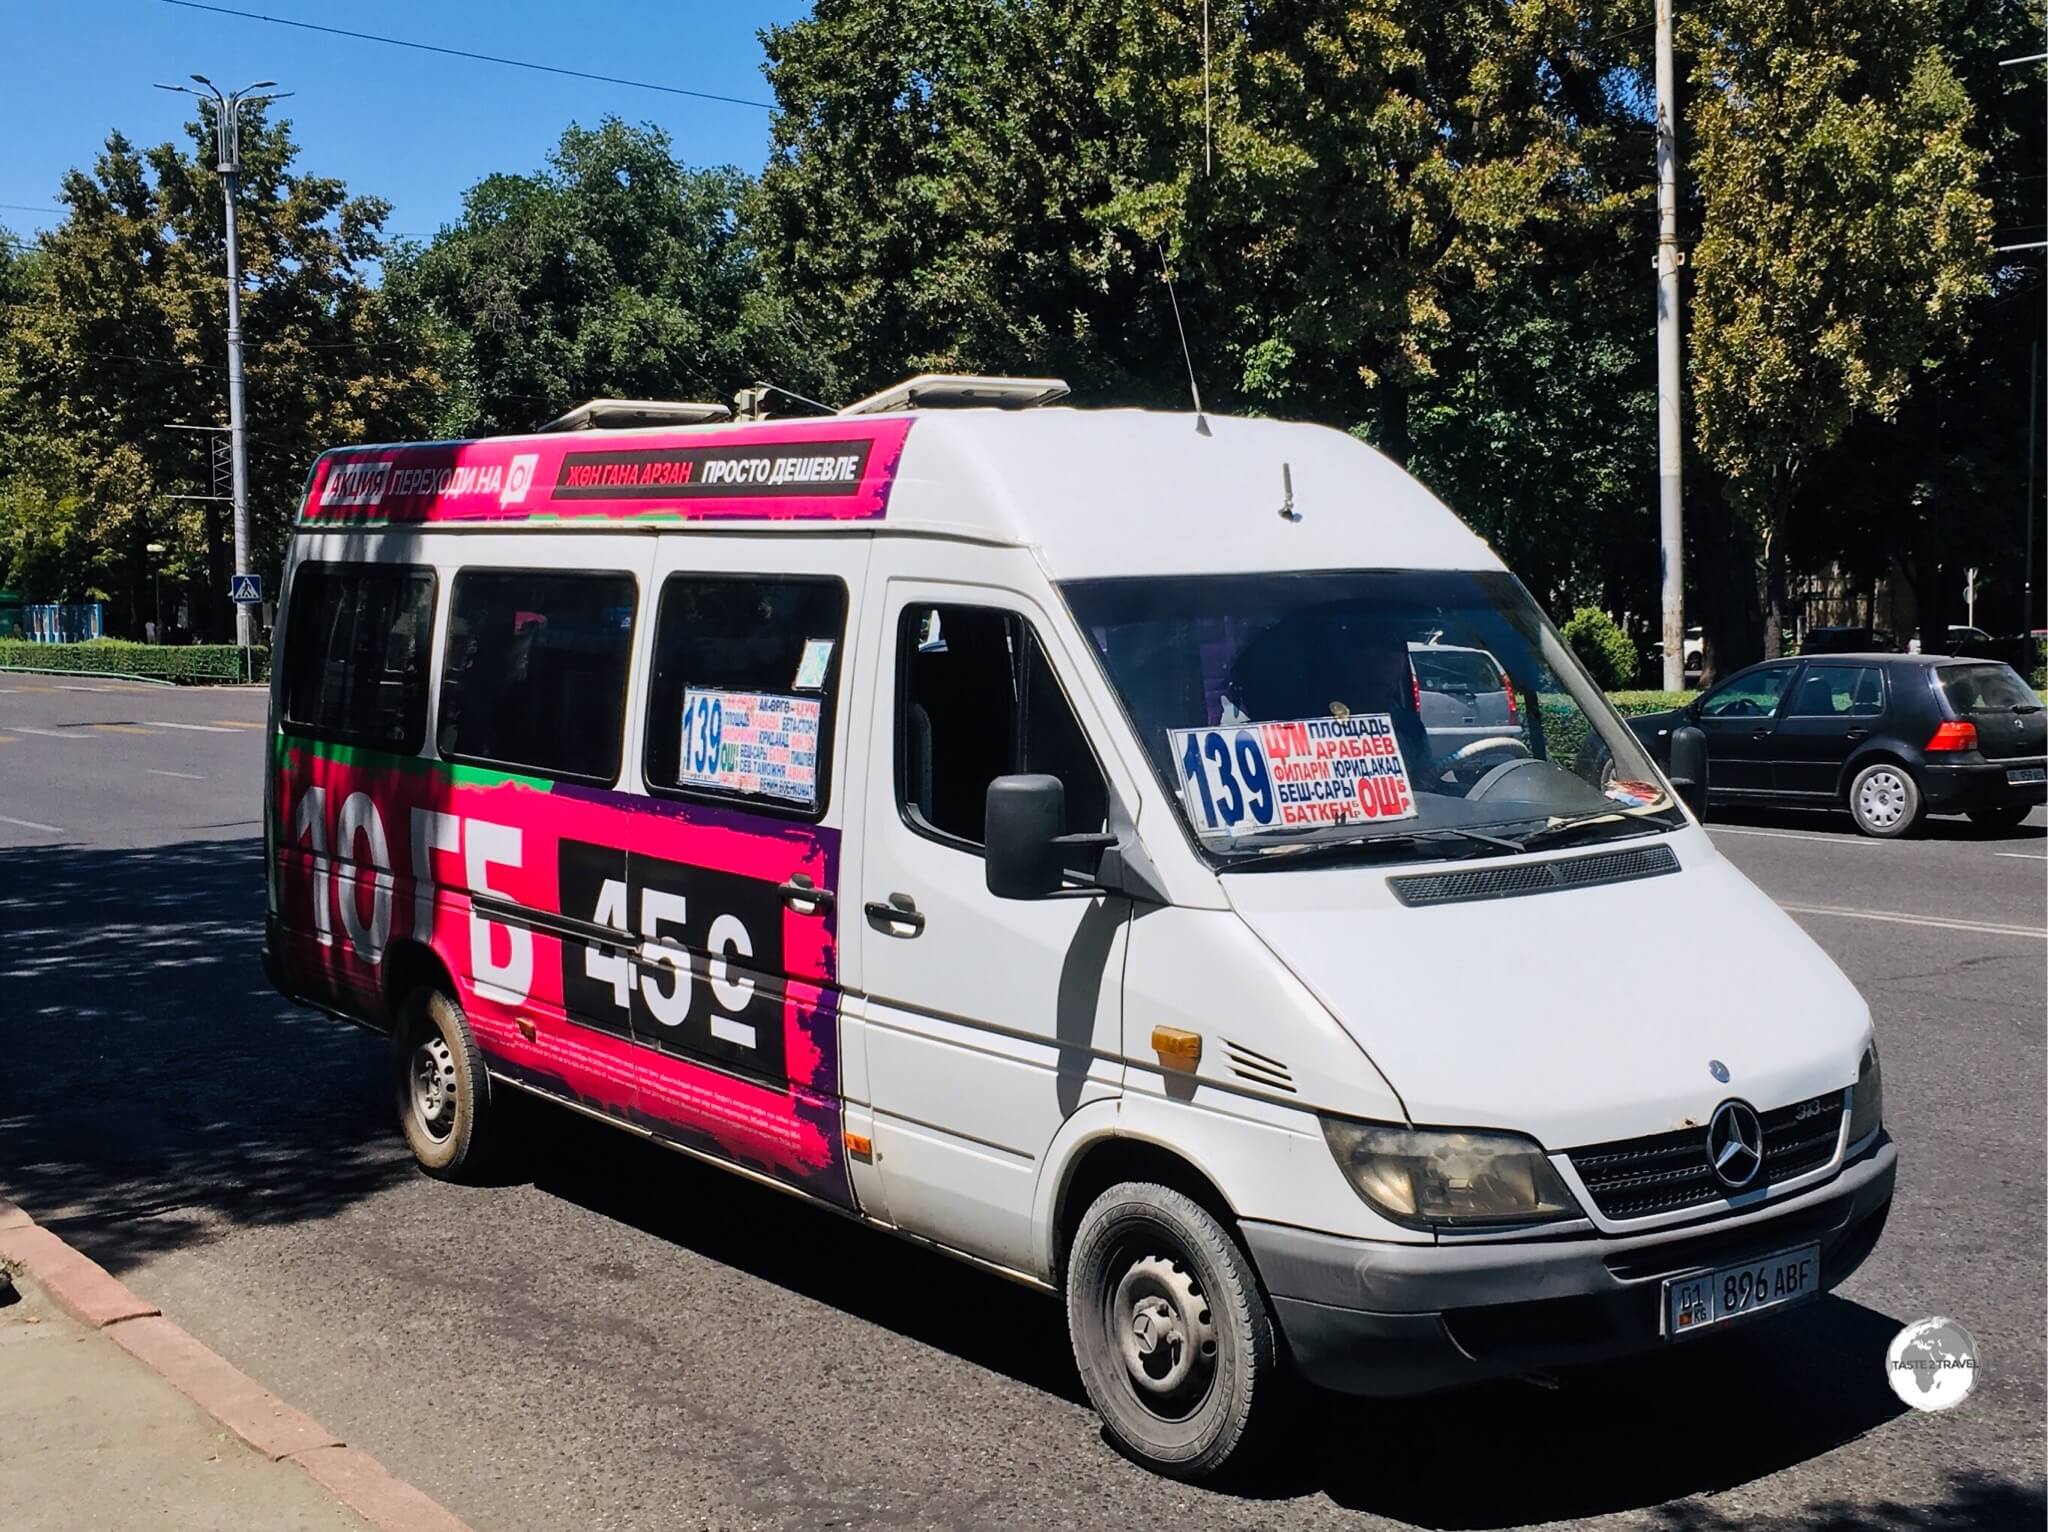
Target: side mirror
{"x":1688,"y":768}
{"x":1026,"y":815}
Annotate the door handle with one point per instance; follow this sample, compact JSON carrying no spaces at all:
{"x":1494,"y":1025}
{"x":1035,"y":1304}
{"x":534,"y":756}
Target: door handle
{"x":1759,"y":733}
{"x":1858,"y":734}
{"x":803,"y":896}
{"x":898,"y":917}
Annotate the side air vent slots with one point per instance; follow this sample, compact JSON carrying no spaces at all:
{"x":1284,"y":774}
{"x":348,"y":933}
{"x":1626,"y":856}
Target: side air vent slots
{"x":1523,"y":878}
{"x":1250,"y":1065}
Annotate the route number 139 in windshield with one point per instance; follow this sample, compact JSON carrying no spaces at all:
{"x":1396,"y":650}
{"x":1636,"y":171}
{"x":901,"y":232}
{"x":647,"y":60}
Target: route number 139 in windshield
{"x":1226,"y":781}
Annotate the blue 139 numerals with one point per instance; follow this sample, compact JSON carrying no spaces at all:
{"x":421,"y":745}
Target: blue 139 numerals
{"x":1228,"y":783}
{"x":703,"y":733}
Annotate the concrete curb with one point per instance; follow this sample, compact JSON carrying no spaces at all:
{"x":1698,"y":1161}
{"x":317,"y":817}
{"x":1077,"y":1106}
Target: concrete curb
{"x":95,"y":1297}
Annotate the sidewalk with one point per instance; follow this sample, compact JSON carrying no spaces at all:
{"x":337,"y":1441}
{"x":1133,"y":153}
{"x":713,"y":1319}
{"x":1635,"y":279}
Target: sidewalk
{"x":111,"y":1416}
{"x":89,"y":1437}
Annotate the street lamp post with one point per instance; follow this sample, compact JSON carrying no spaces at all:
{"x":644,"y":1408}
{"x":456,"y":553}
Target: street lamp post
{"x":156,"y":574}
{"x":227,"y":113}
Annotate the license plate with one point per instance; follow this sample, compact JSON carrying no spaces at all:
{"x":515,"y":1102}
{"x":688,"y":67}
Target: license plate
{"x":2027,"y":774}
{"x":1708,"y":1298}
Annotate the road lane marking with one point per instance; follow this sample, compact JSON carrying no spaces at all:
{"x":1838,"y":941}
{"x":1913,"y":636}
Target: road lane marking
{"x":1896,"y":917}
{"x":47,"y":733}
{"x":1825,"y":840}
{"x":236,"y":723}
{"x":6,"y":739}
{"x":189,"y":776}
{"x":2022,"y":856}
{"x":122,"y":728}
{"x":30,"y":824}
{"x":196,"y":728}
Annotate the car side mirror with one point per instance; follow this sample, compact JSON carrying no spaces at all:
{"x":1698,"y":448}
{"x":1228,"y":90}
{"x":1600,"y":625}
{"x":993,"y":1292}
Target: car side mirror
{"x":1025,"y":845}
{"x":1688,"y":769}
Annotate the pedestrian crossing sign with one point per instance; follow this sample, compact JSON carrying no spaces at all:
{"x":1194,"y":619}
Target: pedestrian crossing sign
{"x":246,"y":590}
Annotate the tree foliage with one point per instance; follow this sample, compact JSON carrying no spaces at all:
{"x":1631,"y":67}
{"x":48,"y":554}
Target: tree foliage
{"x":117,"y":334}
{"x":1845,"y":236}
{"x":613,"y":272}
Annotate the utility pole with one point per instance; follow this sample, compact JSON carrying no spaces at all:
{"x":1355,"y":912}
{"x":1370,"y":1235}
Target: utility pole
{"x":227,"y":120}
{"x":1670,"y":423}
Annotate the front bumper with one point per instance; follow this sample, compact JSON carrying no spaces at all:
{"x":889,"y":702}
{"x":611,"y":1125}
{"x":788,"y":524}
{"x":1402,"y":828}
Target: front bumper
{"x":1363,"y":1317}
{"x":1957,"y":788}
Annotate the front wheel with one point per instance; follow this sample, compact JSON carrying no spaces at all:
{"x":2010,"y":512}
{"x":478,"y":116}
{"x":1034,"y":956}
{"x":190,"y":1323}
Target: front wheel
{"x":1884,"y":800}
{"x":1175,"y":1343}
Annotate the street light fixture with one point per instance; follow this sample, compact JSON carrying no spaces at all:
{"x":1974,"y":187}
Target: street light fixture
{"x":227,"y":119}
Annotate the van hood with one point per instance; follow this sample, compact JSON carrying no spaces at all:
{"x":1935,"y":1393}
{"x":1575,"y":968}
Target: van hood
{"x":1577,"y":1015}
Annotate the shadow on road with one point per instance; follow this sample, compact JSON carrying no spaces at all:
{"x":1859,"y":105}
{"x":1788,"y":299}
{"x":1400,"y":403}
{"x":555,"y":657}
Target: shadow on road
{"x":1947,"y":827}
{"x":151,"y":1082}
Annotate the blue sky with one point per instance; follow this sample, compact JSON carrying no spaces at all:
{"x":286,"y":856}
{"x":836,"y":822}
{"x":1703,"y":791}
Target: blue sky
{"x":415,"y":128}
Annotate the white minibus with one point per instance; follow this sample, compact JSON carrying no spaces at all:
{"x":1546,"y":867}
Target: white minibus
{"x":1026,"y":830}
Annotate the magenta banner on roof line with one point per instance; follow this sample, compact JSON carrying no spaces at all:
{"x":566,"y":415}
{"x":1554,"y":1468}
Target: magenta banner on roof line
{"x":831,"y":469}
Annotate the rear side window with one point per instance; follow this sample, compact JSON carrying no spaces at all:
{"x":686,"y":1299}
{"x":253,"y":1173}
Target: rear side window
{"x":1828,"y":691}
{"x":535,"y":673}
{"x":359,"y":641}
{"x":746,"y":672}
{"x":1986,"y":688}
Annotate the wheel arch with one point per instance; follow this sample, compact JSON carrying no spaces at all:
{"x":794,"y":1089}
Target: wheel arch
{"x":409,"y":964}
{"x":1872,"y":755}
{"x":1102,"y":1160}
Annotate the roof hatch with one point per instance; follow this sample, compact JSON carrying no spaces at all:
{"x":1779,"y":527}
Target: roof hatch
{"x":940,"y":390}
{"x":634,"y":414}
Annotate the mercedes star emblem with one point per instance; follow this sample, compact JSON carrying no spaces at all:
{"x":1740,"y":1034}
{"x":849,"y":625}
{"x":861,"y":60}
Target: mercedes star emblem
{"x":1735,"y":1144}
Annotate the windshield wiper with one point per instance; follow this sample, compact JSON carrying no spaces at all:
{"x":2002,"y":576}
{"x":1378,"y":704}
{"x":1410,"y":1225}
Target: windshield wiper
{"x":1370,"y":844}
{"x":1568,"y":828}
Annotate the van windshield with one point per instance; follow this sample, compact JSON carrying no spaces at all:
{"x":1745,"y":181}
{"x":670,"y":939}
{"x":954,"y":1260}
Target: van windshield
{"x":1407,"y":714}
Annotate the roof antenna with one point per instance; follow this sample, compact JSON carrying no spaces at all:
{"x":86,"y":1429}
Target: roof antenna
{"x":751,"y":403}
{"x":1201,"y":420}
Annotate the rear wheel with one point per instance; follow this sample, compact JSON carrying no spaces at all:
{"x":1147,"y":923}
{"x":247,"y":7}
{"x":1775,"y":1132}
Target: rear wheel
{"x":1884,"y":800}
{"x":1175,"y":1343}
{"x":441,"y":1087}
{"x":2000,"y":816}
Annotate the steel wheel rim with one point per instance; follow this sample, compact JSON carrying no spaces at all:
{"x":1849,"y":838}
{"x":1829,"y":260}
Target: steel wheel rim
{"x":1881,"y":799}
{"x":432,"y":1079}
{"x":1162,"y":1331}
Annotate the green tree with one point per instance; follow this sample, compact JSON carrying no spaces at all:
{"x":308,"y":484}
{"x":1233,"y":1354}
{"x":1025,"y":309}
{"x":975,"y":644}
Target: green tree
{"x":118,"y":334}
{"x":1608,"y":653}
{"x":1844,"y":238}
{"x":613,"y":272}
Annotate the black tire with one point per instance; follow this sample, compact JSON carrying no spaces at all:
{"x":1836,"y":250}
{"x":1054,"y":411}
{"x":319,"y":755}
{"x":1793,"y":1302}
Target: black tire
{"x":2000,"y":816}
{"x":1209,"y":1349}
{"x":441,"y":1087}
{"x":1885,"y":801}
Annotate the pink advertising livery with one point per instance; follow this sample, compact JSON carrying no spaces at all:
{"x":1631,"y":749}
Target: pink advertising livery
{"x":666,"y":963}
{"x":831,"y":469}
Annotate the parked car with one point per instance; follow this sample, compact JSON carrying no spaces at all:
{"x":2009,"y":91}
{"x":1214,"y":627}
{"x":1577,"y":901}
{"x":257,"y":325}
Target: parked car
{"x":1463,"y":696}
{"x":1890,"y":737}
{"x":1848,"y":641}
{"x":1694,"y":656}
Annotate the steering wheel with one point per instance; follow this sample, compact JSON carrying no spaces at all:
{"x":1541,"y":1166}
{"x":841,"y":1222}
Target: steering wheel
{"x":1741,"y":707}
{"x":1471,"y":761}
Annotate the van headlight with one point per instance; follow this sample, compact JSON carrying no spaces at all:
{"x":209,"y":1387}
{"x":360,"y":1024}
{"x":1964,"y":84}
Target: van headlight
{"x":1425,"y":1177}
{"x":1866,"y":1102}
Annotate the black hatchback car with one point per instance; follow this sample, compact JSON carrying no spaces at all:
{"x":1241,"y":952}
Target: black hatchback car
{"x":1890,"y":737}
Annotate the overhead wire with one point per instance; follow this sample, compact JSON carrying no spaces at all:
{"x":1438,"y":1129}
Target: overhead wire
{"x":481,"y":58}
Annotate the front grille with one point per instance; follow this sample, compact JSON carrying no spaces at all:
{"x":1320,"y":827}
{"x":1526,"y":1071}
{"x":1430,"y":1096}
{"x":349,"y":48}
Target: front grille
{"x":1533,"y":877}
{"x":1664,"y":1172}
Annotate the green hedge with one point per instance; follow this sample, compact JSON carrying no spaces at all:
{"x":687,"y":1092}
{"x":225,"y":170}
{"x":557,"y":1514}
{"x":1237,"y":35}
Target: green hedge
{"x":189,"y":664}
{"x":1564,"y":726}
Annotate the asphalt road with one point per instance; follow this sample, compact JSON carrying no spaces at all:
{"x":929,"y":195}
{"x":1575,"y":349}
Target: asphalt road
{"x":618,"y":1338}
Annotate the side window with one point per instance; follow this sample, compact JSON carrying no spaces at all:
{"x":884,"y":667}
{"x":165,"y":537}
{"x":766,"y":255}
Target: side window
{"x":746,"y":673}
{"x":976,"y":700}
{"x":358,"y":645}
{"x":535,"y":673}
{"x":1829,"y":691}
{"x":1752,"y":696}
